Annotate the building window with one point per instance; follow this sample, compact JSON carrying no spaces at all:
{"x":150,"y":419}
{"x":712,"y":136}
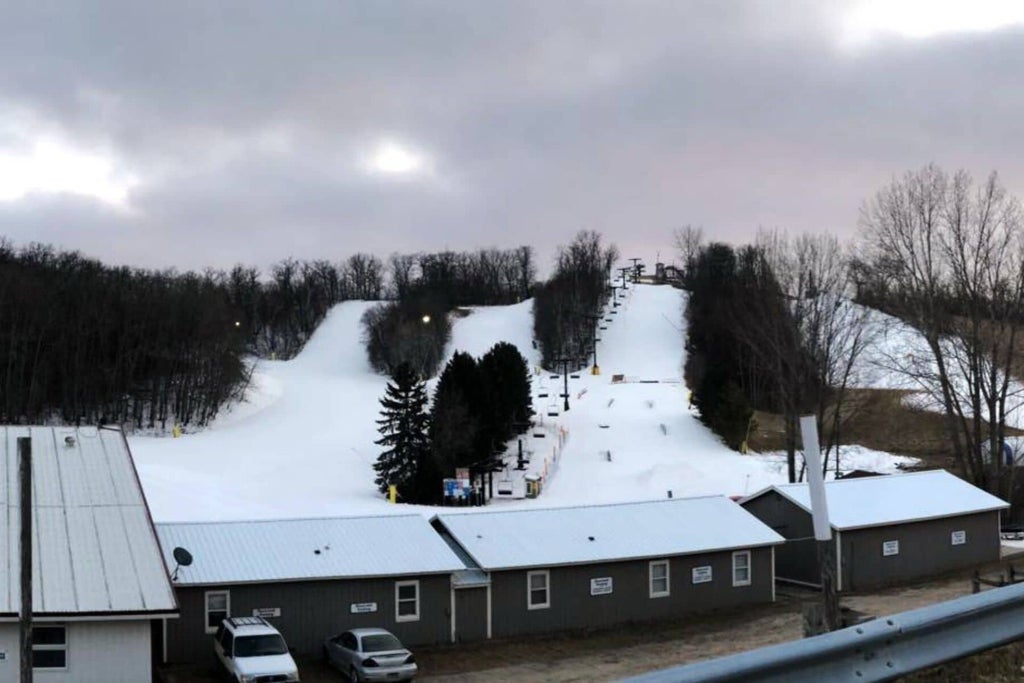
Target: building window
{"x":538,"y":595}
{"x":407,"y":600}
{"x":890,"y":548}
{"x":958,"y":538}
{"x":218,"y":608}
{"x":659,"y":586}
{"x":49,"y":647}
{"x":741,"y":568}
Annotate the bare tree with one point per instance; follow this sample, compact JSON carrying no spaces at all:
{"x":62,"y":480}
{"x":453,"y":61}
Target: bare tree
{"x":950,"y":256}
{"x":688,"y":242}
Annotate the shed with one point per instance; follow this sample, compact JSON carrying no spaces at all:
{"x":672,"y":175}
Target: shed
{"x":601,"y":565}
{"x":100,"y":590}
{"x":311,"y":578}
{"x":886,"y":529}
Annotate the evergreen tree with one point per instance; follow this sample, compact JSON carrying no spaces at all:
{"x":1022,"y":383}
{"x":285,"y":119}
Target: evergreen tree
{"x":403,"y":429}
{"x":456,"y":432}
{"x":506,"y":377}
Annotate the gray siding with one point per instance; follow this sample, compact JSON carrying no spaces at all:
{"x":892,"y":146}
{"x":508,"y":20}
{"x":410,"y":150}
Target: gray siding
{"x":470,"y":614}
{"x":797,"y":559}
{"x":573,"y":607}
{"x":313,"y":610}
{"x":925,"y":549}
{"x":97,"y":652}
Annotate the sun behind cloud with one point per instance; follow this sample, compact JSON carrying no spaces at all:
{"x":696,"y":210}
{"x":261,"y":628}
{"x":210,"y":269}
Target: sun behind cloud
{"x":394,"y":159}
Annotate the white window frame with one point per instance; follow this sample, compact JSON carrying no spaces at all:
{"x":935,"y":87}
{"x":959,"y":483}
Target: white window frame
{"x":652,"y":593}
{"x":547,"y":589}
{"x":206,"y":608}
{"x":893,"y":548}
{"x":398,"y":601}
{"x":39,"y":647}
{"x":958,"y":537}
{"x":748,"y":567}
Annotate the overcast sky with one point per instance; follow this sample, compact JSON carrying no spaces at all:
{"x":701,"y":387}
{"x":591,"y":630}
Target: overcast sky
{"x":208,"y":133}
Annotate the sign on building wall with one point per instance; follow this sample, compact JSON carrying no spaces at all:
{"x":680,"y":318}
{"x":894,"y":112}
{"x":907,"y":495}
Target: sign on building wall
{"x":702,"y":574}
{"x":958,"y":537}
{"x":602,"y":586}
{"x":890,"y":548}
{"x":266,"y":612}
{"x":363,"y":607}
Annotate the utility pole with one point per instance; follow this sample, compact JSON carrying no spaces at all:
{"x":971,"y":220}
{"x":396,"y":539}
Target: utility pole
{"x":822,"y":527}
{"x":25,"y":554}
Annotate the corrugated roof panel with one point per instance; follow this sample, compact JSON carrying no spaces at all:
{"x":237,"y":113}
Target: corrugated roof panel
{"x":118,"y":565}
{"x":150,"y":569}
{"x":46,"y":486}
{"x":91,"y":594}
{"x":94,"y":549}
{"x":301,"y":549}
{"x":598,"y":533}
{"x":894,"y":498}
{"x":57,"y":583}
{"x":98,"y":479}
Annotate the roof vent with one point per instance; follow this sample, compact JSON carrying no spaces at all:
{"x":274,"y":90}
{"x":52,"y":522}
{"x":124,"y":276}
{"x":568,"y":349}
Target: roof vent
{"x":69,"y":441}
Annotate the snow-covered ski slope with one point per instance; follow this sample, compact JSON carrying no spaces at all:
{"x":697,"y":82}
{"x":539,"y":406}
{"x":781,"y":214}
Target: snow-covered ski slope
{"x":301,"y":445}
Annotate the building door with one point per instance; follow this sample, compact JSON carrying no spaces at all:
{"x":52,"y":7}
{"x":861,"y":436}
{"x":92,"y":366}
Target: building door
{"x":471,"y":614}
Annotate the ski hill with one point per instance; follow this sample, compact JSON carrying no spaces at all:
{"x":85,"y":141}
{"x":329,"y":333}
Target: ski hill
{"x":301,"y":442}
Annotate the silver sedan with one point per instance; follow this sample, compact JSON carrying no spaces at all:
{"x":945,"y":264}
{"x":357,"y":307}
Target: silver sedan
{"x":370,"y":654}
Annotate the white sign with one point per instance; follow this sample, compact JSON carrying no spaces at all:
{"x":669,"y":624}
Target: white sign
{"x":602,"y":586}
{"x":266,"y":612}
{"x":959,"y":537}
{"x":702,"y":574}
{"x":363,"y":607}
{"x":890,"y":548}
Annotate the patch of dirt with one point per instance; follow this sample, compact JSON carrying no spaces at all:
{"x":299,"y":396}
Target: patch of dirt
{"x":877,"y":419}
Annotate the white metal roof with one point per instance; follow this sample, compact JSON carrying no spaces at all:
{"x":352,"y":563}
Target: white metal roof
{"x":94,"y":547}
{"x":599,"y":533}
{"x":306,"y":549}
{"x":891,"y":499}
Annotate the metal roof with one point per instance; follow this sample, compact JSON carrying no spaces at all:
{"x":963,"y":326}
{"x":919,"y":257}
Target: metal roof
{"x":306,"y":549}
{"x":605,"y":533}
{"x":94,"y":548}
{"x":892,"y":499}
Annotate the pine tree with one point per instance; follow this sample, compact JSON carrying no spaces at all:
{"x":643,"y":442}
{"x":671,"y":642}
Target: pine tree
{"x":403,"y":429}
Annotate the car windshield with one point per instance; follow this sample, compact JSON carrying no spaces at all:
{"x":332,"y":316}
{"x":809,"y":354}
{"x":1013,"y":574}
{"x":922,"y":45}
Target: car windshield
{"x":381,"y":643}
{"x":260,"y":646}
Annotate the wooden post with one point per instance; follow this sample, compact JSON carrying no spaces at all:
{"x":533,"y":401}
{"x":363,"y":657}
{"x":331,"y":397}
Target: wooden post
{"x":822,"y":527}
{"x":25,"y":552}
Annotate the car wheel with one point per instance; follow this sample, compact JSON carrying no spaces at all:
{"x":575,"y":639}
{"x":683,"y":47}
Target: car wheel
{"x":353,"y":675}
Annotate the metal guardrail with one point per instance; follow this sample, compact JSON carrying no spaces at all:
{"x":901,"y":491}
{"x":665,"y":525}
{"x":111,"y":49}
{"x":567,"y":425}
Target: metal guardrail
{"x":877,"y":650}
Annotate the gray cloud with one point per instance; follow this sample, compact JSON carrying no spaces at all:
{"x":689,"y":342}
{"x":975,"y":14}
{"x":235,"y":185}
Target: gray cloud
{"x":246,"y":123}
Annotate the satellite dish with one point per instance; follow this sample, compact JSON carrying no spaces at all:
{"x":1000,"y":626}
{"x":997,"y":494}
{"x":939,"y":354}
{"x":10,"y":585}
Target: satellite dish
{"x":183,"y":558}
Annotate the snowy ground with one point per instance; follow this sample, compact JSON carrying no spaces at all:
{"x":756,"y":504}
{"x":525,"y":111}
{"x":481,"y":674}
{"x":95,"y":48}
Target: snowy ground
{"x":302,"y":443}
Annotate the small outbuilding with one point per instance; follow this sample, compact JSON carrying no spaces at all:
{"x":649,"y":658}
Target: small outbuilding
{"x":310,"y":578}
{"x":533,"y":571}
{"x":100,"y":592}
{"x":886,"y":529}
